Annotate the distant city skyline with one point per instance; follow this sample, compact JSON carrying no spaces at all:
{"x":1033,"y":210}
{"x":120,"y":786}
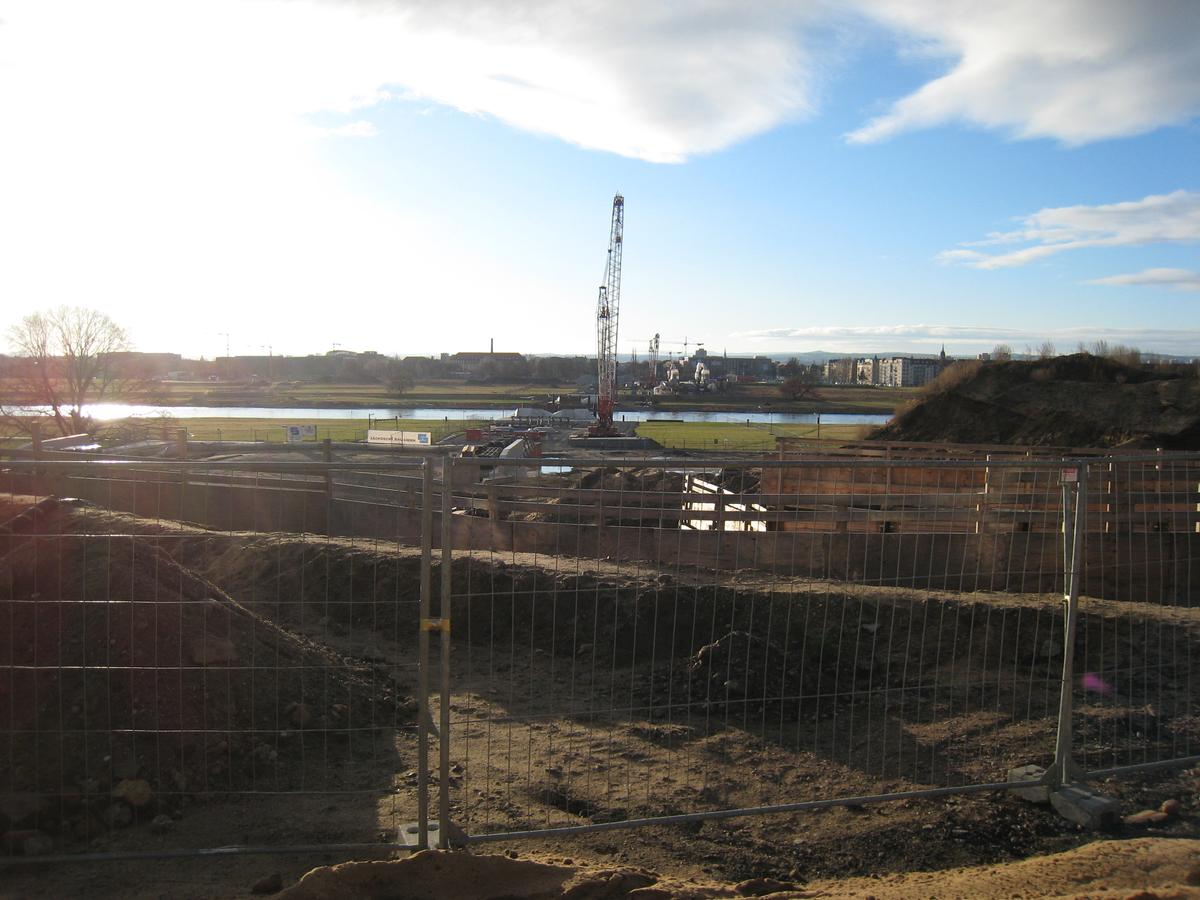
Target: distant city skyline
{"x":860,"y":176}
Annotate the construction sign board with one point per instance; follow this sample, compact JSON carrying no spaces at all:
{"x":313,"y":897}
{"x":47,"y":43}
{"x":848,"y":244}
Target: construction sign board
{"x":403,"y":438}
{"x":299,"y":433}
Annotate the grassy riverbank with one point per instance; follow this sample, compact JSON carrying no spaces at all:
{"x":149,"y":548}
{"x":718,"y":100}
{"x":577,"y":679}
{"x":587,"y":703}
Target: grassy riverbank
{"x":718,"y":436}
{"x":737,"y":436}
{"x":270,"y":430}
{"x":459,"y":395}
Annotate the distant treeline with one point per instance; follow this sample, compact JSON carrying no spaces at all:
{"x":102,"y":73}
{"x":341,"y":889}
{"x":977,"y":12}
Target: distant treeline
{"x":334,"y":367}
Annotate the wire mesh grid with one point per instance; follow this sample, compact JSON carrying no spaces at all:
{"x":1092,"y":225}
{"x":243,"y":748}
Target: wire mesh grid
{"x":642,"y":640}
{"x":664,"y":640}
{"x":183,"y":645}
{"x":1137,"y":691}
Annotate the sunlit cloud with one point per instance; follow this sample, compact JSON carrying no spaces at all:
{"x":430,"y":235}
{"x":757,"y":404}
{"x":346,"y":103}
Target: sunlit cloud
{"x":1158,"y":219}
{"x":1073,"y":70}
{"x":1175,"y":279}
{"x":359,"y":129}
{"x":179,"y":152}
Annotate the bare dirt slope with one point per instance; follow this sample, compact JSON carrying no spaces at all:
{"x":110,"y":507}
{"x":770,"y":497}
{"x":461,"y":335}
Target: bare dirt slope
{"x":133,"y":684}
{"x":531,"y":635}
{"x":1070,"y":401}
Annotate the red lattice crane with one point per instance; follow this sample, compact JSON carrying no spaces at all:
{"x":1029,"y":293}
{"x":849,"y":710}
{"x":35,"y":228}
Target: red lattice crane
{"x":607,"y":309}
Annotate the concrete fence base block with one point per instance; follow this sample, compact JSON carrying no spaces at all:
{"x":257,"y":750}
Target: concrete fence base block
{"x":1084,"y":807}
{"x":1035,"y":793}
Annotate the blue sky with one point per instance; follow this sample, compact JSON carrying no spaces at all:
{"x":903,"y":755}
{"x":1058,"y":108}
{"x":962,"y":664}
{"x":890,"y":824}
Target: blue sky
{"x":877,"y":176}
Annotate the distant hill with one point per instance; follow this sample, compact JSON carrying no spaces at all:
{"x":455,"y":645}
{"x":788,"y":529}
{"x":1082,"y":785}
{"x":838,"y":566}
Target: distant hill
{"x":1069,"y":401}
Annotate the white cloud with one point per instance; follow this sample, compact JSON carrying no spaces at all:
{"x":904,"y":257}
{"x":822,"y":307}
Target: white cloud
{"x":156,"y":151}
{"x":963,"y":338}
{"x":653,"y":81}
{"x":1072,"y":70}
{"x":359,"y":129}
{"x":160,"y":161}
{"x":1176,"y":279}
{"x":1156,"y":219}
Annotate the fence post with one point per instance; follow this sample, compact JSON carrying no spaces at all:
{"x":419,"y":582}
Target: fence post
{"x":423,"y":656}
{"x":327,"y":454}
{"x":35,"y":442}
{"x":1074,"y":490}
{"x":447,"y":585}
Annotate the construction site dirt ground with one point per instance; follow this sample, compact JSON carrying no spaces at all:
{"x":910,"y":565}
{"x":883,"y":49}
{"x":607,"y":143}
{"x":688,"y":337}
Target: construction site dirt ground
{"x":538,"y":739}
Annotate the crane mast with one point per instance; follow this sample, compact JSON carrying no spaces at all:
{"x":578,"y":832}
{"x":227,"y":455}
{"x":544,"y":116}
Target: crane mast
{"x":608,"y":307}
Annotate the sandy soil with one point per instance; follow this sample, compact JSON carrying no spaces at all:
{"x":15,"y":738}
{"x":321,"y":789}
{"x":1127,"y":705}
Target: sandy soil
{"x":631,"y":711}
{"x":1142,"y":868}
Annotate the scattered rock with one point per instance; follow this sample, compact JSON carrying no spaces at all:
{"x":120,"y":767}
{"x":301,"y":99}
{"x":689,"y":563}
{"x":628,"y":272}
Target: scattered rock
{"x":136,"y":792}
{"x":1171,"y":807}
{"x":625,"y":881}
{"x":37,"y":844}
{"x":161,"y":823}
{"x":757,"y":887}
{"x":118,"y":815}
{"x":1146,"y":817}
{"x":268,"y":884}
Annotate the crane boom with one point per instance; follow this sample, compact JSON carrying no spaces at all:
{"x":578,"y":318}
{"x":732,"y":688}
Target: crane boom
{"x":608,"y":307}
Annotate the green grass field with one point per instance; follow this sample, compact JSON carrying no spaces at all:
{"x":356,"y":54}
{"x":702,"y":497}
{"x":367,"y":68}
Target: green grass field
{"x":828,"y":398}
{"x":734,"y":436}
{"x":436,"y":393}
{"x":272,"y":430}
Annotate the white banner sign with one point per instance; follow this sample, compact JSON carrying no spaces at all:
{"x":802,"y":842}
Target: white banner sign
{"x":405,"y":438}
{"x":298,"y":433}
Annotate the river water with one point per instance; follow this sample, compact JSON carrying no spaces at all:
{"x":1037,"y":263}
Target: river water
{"x":107,"y":411}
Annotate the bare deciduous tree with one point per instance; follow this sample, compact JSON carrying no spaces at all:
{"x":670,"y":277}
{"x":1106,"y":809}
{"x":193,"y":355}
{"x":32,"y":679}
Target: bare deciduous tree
{"x":1002,"y":352}
{"x":802,"y":386}
{"x":63,"y":360}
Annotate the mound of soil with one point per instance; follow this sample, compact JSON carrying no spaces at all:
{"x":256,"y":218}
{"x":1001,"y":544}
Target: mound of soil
{"x":1070,"y":401}
{"x":631,"y":480}
{"x":124,"y":667}
{"x":1099,"y":870}
{"x":628,"y":489}
{"x":837,"y":660}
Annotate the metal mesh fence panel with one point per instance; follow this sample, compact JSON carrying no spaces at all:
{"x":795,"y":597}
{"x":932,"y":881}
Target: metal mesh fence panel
{"x":188,"y":662}
{"x":644,"y":640}
{"x":197,"y":654}
{"x":1136,"y":702}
